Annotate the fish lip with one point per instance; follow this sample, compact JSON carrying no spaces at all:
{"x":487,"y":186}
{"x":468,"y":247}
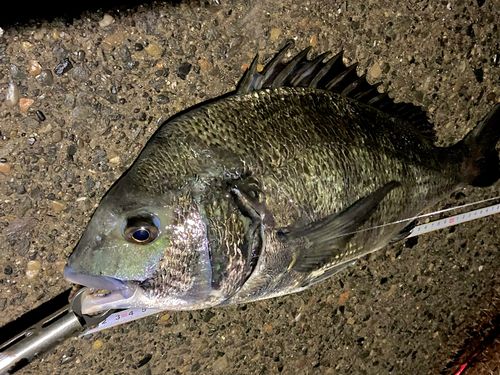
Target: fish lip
{"x":96,"y":282}
{"x":117,"y":299}
{"x":122,"y":293}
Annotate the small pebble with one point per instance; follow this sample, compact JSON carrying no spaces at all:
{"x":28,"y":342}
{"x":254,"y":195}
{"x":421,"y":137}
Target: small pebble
{"x":126,"y":55}
{"x":164,"y":318}
{"x":81,"y":72}
{"x":154,"y":50}
{"x":7,"y":270}
{"x":114,"y":39}
{"x":40,"y":34}
{"x":313,"y":41}
{"x":5,"y":168}
{"x":45,"y":77}
{"x":115,"y":160}
{"x":343,"y":298}
{"x":17,"y":73}
{"x":183,"y":70}
{"x":40,"y":115}
{"x":479,"y":74}
{"x":208,"y":315}
{"x":31,"y":141}
{"x":64,"y":66}
{"x":106,"y":20}
{"x":57,"y":206}
{"x":491,"y":97}
{"x":144,"y":360}
{"x":66,"y":358}
{"x":71,"y":151}
{"x":162,"y":72}
{"x":275,"y":34}
{"x":89,"y":183}
{"x":80,"y":55}
{"x":12,"y":97}
{"x":26,"y":45}
{"x":220,"y":364}
{"x":267,"y":328}
{"x":205,"y":65}
{"x":97,"y":344}
{"x":25,"y":104}
{"x":33,"y":268}
{"x":138,"y":47}
{"x":162,"y":99}
{"x":57,"y":136}
{"x":375,"y":71}
{"x":34,"y":68}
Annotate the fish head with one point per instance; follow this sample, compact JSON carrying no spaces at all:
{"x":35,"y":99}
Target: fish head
{"x":144,"y":249}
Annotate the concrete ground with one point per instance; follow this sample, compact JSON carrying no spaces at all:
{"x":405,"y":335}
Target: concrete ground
{"x":66,"y":136}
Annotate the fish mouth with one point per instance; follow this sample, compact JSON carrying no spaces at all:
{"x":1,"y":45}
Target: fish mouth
{"x":118,"y":294}
{"x":96,"y":282}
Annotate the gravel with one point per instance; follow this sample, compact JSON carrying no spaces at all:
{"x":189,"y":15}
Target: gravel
{"x":410,"y":309}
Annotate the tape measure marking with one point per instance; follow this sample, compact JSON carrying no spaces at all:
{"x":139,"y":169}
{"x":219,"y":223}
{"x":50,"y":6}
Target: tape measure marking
{"x":121,"y":317}
{"x":454,"y":220}
{"x":130,"y":315}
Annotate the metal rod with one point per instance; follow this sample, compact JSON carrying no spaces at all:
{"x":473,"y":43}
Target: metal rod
{"x":37,"y":341}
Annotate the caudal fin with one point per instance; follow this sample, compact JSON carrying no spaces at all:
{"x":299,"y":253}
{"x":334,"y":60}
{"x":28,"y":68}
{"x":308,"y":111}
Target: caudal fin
{"x":481,"y":166}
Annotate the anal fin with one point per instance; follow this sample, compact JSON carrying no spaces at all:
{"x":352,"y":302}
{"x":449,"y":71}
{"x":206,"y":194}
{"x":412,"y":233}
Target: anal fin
{"x":328,"y":273}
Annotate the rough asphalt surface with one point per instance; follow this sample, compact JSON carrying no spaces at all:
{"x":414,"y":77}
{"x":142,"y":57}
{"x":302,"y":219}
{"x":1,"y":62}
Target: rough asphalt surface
{"x":79,"y":99}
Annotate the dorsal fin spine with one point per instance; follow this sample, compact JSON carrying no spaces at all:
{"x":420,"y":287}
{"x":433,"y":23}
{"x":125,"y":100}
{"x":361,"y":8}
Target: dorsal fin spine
{"x":331,"y":75}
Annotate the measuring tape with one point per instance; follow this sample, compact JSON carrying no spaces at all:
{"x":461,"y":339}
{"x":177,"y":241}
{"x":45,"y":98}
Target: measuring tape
{"x":130,"y":315}
{"x":121,"y":317}
{"x":454,"y":220}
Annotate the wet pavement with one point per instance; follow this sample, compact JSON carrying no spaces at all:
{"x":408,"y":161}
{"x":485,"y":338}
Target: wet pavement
{"x":79,"y":99}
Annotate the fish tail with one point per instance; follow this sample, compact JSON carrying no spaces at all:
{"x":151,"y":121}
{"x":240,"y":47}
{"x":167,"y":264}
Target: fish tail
{"x":481,"y":164}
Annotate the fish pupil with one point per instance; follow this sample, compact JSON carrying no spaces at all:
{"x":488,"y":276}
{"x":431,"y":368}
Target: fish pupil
{"x":141,"y":235}
{"x":141,"y":229}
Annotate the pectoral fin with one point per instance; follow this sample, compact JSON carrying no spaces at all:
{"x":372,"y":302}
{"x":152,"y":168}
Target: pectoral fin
{"x":405,"y":232}
{"x":319,"y":242}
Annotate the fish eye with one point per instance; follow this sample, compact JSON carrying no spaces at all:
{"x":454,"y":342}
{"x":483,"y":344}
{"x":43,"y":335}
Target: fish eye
{"x":141,"y":229}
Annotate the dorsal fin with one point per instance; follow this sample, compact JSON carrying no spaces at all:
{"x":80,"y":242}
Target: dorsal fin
{"x":332,"y":75}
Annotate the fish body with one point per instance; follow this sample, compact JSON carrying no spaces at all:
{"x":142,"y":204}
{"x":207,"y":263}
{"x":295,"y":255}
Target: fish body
{"x":270,"y":190}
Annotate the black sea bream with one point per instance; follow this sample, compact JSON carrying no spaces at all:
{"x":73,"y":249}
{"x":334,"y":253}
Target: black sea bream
{"x":270,"y":189}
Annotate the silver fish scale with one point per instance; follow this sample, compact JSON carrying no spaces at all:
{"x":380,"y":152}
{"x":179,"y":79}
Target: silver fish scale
{"x":183,"y":270}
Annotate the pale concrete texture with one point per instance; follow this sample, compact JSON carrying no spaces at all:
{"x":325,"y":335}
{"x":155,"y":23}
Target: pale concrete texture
{"x":406,"y":310}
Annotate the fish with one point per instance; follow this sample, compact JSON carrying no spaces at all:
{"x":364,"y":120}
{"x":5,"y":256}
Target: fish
{"x":270,"y":189}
